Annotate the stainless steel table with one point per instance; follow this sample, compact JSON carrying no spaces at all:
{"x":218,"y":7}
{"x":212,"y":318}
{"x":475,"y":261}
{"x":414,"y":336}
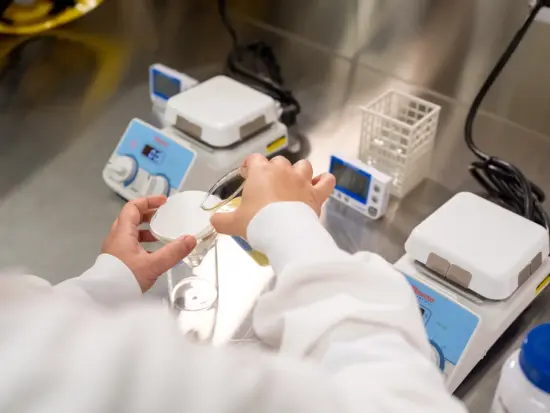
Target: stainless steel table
{"x":55,"y":209}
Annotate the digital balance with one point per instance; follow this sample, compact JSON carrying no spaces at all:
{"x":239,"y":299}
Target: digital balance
{"x":474,"y":267}
{"x":210,"y":129}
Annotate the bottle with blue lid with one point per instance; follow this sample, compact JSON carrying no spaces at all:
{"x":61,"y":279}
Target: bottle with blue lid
{"x":524,"y":385}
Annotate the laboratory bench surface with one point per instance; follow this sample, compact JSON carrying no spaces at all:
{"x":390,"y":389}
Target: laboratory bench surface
{"x":66,"y":98}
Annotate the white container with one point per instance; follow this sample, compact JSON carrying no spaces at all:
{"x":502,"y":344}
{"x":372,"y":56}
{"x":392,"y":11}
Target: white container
{"x":397,"y":137}
{"x":524,"y":385}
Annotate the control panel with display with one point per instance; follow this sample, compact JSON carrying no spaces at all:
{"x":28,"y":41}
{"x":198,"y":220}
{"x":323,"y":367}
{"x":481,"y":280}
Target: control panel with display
{"x":360,"y":186}
{"x":449,"y":325}
{"x":165,"y":82}
{"x":153,"y":154}
{"x":147,"y":162}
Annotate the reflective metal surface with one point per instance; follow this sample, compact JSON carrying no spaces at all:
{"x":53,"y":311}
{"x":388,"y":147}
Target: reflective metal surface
{"x":59,"y":126}
{"x":444,"y":46}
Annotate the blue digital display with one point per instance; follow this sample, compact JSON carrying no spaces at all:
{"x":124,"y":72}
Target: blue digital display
{"x":350,"y":180}
{"x":154,"y":154}
{"x":448,"y":324}
{"x":165,"y":86}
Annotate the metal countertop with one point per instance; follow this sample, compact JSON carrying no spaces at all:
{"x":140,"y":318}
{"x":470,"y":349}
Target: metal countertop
{"x":55,"y":209}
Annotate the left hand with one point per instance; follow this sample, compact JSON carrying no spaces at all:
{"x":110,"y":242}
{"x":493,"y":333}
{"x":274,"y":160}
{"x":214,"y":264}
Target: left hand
{"x":124,"y":242}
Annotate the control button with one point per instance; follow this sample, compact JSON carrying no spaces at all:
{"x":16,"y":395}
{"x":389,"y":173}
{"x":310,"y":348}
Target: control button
{"x":339,"y":195}
{"x":346,"y":199}
{"x":376,"y":188}
{"x":373,"y":211}
{"x":122,"y":168}
{"x":375,"y":199}
{"x":140,"y":183}
{"x":437,"y":356}
{"x":158,"y":185}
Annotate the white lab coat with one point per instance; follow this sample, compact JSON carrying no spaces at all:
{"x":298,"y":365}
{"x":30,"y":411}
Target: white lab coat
{"x":347,"y":328}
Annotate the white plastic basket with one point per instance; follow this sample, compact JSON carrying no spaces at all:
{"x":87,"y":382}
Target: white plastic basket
{"x":397,"y":137}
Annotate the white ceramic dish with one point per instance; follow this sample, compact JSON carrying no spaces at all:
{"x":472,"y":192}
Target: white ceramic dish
{"x":182,"y":215}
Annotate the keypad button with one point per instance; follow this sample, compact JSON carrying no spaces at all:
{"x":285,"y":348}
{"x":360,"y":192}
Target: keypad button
{"x":374,"y":199}
{"x":376,"y":188}
{"x":372,"y":211}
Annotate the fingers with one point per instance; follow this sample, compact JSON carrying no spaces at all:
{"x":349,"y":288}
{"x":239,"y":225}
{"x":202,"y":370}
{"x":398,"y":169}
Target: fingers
{"x":147,"y":217}
{"x":280,"y":161}
{"x":135,"y":211}
{"x":171,"y":254}
{"x":148,"y":203}
{"x":226,"y":223}
{"x":252,"y":162}
{"x":323,"y":185}
{"x":146,"y":236}
{"x":304,"y":168}
{"x":129,"y":216}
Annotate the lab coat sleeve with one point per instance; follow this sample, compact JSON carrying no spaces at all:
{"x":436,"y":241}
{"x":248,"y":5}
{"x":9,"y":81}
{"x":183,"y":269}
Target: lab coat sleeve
{"x":348,"y":328}
{"x":108,"y":282}
{"x":354,"y":314}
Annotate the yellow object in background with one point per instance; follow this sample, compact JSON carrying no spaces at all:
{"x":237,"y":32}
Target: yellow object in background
{"x":99,"y":61}
{"x":257,"y":256}
{"x":31,"y":17}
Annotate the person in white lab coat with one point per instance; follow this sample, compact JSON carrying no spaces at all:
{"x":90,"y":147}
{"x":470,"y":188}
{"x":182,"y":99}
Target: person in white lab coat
{"x":345,"y":330}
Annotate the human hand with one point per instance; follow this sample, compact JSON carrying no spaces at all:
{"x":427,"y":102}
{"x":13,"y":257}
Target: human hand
{"x":273,"y":181}
{"x":124,"y":242}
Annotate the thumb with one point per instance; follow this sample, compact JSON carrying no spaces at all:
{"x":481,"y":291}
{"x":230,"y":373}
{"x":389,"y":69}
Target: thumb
{"x":171,"y":254}
{"x":226,"y":223}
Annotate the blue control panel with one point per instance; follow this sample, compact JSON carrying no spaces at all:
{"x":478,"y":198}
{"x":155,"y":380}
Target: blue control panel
{"x":448,"y":324}
{"x":156,"y":153}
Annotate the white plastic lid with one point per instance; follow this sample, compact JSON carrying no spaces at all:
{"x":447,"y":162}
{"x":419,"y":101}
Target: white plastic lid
{"x":182,"y":215}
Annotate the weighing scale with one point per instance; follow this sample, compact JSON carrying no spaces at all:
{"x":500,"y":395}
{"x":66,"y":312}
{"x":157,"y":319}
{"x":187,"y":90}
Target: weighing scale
{"x":474,"y":267}
{"x":211,"y":128}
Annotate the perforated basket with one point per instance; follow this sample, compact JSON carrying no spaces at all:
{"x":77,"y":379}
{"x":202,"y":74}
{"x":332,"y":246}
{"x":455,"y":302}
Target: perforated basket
{"x":397,"y":137}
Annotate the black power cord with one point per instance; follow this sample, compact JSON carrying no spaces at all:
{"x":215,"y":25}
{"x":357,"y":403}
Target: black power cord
{"x":505,"y":183}
{"x":256,"y":65}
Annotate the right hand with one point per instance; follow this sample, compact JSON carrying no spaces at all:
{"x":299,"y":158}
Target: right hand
{"x":273,"y":181}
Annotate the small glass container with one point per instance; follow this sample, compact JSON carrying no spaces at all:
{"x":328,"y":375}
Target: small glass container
{"x":191,"y":288}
